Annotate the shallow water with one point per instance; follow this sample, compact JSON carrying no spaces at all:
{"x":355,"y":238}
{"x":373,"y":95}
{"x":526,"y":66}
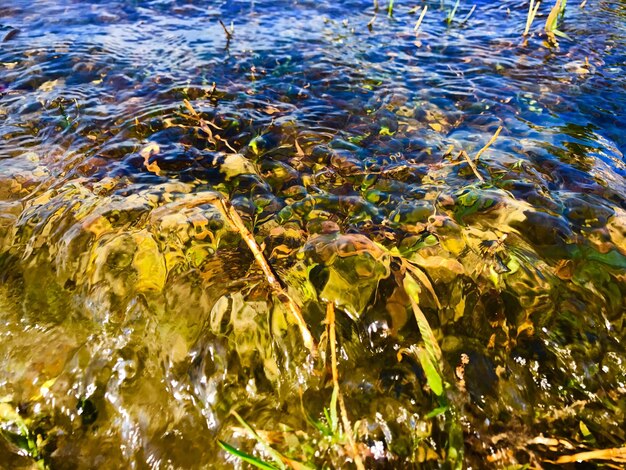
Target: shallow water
{"x":134,"y":318}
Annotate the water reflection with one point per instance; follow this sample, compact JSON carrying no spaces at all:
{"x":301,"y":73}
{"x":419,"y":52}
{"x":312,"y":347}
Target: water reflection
{"x":134,"y":318}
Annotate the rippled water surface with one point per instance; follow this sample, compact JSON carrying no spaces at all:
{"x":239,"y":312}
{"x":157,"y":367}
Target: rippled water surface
{"x":136,"y":325}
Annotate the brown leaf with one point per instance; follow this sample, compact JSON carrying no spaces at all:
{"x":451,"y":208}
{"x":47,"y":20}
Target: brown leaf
{"x":271,"y":110}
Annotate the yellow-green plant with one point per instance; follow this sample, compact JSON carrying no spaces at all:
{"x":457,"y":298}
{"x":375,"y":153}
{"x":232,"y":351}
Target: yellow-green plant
{"x":452,"y":12}
{"x":552,"y":21}
{"x":532,"y":12}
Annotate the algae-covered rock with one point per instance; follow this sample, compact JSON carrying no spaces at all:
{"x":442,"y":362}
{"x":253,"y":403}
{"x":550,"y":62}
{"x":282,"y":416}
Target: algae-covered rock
{"x":346,"y":268}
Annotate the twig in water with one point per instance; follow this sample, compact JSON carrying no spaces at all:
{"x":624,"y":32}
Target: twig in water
{"x":226,"y":143}
{"x":419,"y":20}
{"x":235,"y":220}
{"x":204,"y":125}
{"x":149,"y":150}
{"x":467,"y":158}
{"x":464,"y":154}
{"x":229,"y":34}
{"x":488,"y":144}
{"x":532,"y":12}
{"x":330,"y":319}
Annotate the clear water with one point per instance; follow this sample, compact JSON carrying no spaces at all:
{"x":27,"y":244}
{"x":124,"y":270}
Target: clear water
{"x":133,"y":317}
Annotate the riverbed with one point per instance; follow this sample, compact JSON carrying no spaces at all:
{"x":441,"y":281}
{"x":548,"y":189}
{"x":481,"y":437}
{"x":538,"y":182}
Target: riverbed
{"x":455,"y":190}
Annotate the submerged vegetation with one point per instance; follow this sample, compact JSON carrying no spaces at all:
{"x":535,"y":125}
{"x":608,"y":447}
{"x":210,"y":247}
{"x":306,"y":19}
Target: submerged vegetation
{"x":358,"y":241}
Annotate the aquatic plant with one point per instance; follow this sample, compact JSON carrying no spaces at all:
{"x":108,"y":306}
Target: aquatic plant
{"x":551,"y":26}
{"x":452,"y":12}
{"x":315,"y":262}
{"x":418,"y":23}
{"x":533,"y":7}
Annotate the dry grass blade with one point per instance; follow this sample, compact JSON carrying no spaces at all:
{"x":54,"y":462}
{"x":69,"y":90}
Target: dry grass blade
{"x":532,"y":13}
{"x":191,"y":109}
{"x":420,"y":19}
{"x":467,"y":17}
{"x":348,"y":429}
{"x":370,"y":25}
{"x":617,"y":455}
{"x":235,"y":220}
{"x":488,"y":144}
{"x":299,"y":152}
{"x":550,"y":442}
{"x":278,"y":458}
{"x":330,"y":320}
{"x":464,"y":154}
{"x":196,"y":116}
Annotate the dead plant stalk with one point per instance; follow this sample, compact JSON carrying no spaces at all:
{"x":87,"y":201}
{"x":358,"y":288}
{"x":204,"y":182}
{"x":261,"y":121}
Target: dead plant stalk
{"x":532,"y":13}
{"x":617,"y":455}
{"x":330,"y":319}
{"x":420,"y":19}
{"x":469,"y":161}
{"x":235,"y":220}
{"x":488,"y":144}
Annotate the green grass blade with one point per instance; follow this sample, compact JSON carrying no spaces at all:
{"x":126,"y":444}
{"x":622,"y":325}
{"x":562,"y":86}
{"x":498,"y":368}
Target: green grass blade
{"x":246,"y":457}
{"x":437,"y":412}
{"x":430,"y":356}
{"x":431,"y":369}
{"x":334,"y":420}
{"x":412,"y":289}
{"x":452,"y":12}
{"x":278,"y":458}
{"x":561,"y":34}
